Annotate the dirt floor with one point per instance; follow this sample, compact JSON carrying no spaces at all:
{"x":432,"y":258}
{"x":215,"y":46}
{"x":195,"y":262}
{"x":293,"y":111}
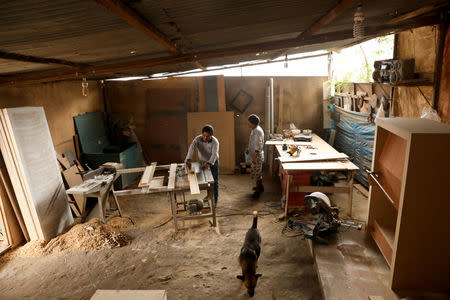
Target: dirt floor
{"x":197,"y":263}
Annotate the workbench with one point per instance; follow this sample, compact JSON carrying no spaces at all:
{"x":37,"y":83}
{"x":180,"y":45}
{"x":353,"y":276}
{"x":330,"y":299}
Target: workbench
{"x":177,"y":185}
{"x":315,"y":156}
{"x":99,"y":188}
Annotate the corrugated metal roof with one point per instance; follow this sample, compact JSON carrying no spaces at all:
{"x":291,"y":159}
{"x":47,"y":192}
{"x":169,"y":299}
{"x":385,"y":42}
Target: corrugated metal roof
{"x":86,"y":32}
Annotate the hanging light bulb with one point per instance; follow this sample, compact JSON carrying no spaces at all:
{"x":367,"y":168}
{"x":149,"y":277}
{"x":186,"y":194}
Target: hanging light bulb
{"x":84,"y":87}
{"x":358,"y":23}
{"x":285,"y":62}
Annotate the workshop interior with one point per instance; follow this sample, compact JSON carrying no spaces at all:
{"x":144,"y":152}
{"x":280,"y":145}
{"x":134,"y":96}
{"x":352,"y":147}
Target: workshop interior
{"x":225,"y":149}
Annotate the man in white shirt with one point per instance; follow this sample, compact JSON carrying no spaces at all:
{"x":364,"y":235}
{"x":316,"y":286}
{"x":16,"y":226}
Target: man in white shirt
{"x":207,"y":147}
{"x":256,"y":153}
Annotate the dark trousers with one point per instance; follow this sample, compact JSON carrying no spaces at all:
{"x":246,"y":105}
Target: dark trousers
{"x":215,"y":174}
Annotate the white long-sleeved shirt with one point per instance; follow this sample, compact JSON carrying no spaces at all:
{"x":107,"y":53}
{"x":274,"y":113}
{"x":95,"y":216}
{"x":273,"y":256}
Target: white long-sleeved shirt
{"x":207,"y":151}
{"x":256,"y":141}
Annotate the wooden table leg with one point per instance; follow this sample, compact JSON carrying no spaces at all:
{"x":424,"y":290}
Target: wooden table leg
{"x":350,"y":193}
{"x":116,"y":201}
{"x":100,"y":206}
{"x":173,"y":204}
{"x":288,"y":182}
{"x":213,"y":206}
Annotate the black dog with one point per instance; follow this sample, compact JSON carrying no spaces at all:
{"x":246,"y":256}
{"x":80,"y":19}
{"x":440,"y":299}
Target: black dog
{"x":248,"y":258}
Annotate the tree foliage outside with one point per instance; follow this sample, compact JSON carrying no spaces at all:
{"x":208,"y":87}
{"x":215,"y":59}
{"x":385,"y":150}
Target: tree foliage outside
{"x":355,"y":64}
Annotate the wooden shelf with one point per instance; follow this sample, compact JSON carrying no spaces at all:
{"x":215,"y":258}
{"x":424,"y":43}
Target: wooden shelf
{"x":413,"y":82}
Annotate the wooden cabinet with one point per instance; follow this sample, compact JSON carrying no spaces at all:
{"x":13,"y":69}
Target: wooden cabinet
{"x":409,"y":210}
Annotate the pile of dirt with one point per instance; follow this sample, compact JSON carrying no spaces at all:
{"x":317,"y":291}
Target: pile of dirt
{"x":92,"y":235}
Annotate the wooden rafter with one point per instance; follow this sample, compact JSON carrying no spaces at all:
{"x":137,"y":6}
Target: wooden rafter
{"x":131,"y":16}
{"x":328,"y":18}
{"x":200,"y":66}
{"x":39,"y":60}
{"x":417,"y":12}
{"x":108,"y":69}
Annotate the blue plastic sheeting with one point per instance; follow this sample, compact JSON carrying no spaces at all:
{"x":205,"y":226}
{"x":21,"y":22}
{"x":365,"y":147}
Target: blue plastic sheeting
{"x":355,"y":137}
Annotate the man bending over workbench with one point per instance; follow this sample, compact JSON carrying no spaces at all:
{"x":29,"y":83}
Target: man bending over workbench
{"x":208,"y":153}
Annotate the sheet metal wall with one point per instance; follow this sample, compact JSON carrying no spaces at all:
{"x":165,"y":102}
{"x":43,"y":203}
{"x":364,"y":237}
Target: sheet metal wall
{"x":355,"y":137}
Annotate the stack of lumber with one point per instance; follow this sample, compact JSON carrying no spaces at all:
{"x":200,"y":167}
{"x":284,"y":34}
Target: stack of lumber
{"x":71,"y":170}
{"x":30,"y":160}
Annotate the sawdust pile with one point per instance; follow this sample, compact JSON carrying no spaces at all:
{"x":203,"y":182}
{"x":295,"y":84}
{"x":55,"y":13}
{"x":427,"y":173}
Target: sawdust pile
{"x":92,"y":235}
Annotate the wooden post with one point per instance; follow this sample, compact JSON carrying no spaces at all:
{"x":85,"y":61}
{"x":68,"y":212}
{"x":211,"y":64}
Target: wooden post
{"x":288,"y":182}
{"x":439,"y":57}
{"x":350,"y":193}
{"x":173,"y":204}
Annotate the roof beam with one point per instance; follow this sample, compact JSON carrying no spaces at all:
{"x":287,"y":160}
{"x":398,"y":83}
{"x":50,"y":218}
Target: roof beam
{"x":39,"y":60}
{"x":111,"y":68}
{"x":417,"y":12}
{"x":136,"y":20}
{"x":328,"y":18}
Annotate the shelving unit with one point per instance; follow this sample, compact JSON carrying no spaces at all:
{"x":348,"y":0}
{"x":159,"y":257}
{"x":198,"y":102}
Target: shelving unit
{"x":410,"y":203}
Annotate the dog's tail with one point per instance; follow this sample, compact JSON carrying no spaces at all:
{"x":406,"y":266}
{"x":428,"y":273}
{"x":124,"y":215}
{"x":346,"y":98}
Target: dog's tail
{"x":255,"y":219}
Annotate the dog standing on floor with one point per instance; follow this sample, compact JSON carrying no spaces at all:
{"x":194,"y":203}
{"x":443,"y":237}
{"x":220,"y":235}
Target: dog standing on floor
{"x":248,"y":258}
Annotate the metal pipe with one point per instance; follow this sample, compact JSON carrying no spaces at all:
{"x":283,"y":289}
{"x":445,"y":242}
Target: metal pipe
{"x":271,"y":106}
{"x":267,"y":113}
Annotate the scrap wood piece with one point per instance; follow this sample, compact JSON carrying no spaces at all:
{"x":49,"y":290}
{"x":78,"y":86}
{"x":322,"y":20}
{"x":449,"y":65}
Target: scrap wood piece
{"x":208,"y":175}
{"x":193,"y":184}
{"x":172,"y":176}
{"x":63,"y":161}
{"x":195,"y":167}
{"x":148,"y":175}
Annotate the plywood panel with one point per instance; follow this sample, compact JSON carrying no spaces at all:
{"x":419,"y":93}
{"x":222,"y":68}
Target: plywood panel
{"x":223,"y":123}
{"x":444,"y":93}
{"x":45,"y":189}
{"x":296,"y":99}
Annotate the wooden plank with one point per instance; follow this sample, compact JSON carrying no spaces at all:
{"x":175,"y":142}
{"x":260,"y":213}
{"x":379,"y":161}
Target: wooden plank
{"x":195,"y":167}
{"x":157,"y":182}
{"x":148,"y":175}
{"x":320,"y":166}
{"x":63,"y":161}
{"x":139,"y":22}
{"x":172,"y":176}
{"x":129,"y":294}
{"x":339,"y":9}
{"x":16,"y":181}
{"x":221,"y":93}
{"x":208,"y":176}
{"x":9,"y":196}
{"x":193,"y":184}
{"x":307,"y":158}
{"x":323,"y":189}
{"x":39,"y":60}
{"x":223,"y":123}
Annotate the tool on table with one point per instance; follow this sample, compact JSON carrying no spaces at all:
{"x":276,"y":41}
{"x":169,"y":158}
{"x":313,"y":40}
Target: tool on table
{"x":325,"y":219}
{"x":293,"y":149}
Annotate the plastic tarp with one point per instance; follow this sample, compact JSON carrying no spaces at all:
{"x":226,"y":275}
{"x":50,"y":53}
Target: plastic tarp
{"x":355,"y":137}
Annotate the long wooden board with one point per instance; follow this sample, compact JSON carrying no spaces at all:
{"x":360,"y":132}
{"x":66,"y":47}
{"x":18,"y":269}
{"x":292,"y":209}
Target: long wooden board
{"x":193,"y":184}
{"x":223,"y":123}
{"x":172,"y":176}
{"x":319,"y":166}
{"x":147,"y":176}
